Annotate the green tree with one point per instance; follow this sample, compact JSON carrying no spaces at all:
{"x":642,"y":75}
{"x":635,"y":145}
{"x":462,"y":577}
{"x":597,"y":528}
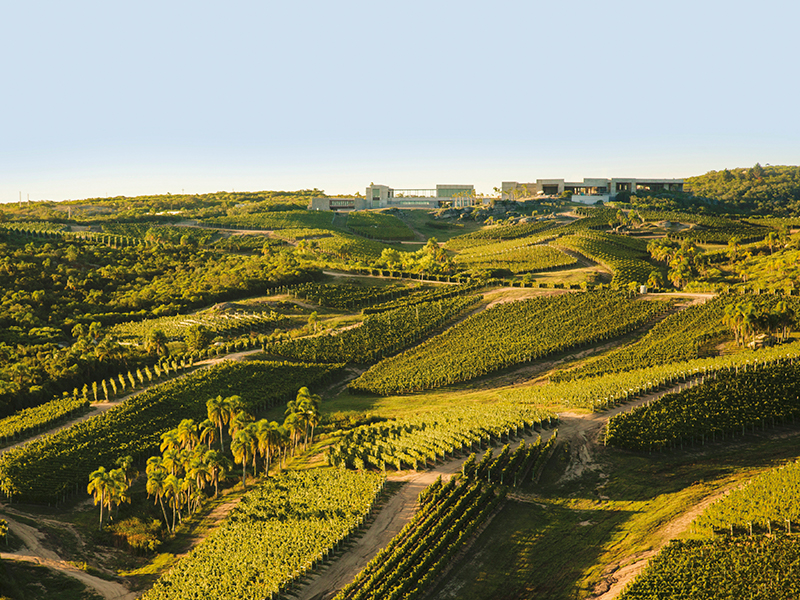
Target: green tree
{"x":242,"y":446}
{"x":156,"y":343}
{"x":197,"y":337}
{"x":100,"y":483}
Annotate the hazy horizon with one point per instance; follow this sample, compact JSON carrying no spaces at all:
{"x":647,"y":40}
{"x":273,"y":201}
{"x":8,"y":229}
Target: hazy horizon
{"x":126,"y":100}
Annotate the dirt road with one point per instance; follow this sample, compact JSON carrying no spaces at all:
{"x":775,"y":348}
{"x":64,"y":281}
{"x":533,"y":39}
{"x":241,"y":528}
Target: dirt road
{"x":35,"y":553}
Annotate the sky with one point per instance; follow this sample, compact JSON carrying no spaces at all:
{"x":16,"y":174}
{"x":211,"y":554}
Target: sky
{"x":112,"y":98}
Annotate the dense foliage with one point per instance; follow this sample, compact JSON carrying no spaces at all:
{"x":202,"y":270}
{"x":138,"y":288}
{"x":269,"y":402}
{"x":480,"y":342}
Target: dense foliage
{"x":768,"y":500}
{"x":679,"y":337}
{"x":379,"y":225}
{"x":625,"y":257}
{"x":768,"y":190}
{"x":409,"y":565}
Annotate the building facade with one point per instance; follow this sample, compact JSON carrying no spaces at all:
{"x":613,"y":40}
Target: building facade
{"x":588,"y":191}
{"x":382,"y":196}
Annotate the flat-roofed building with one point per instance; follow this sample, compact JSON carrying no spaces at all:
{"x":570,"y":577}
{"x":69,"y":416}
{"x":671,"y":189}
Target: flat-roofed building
{"x":382,"y":196}
{"x":588,"y":191}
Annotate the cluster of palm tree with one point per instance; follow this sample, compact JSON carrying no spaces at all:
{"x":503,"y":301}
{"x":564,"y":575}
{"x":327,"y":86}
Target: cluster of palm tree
{"x":110,"y":488}
{"x":188,"y":464}
{"x":186,"y":467}
{"x":684,"y":259}
{"x":745,"y":320}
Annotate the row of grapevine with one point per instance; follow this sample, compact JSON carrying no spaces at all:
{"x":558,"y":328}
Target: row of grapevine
{"x":348,"y":296}
{"x":378,"y":225}
{"x":495,"y":233}
{"x":275,"y":535}
{"x":509,"y":334}
{"x":731,"y":403}
{"x":769,"y":498}
{"x":32,"y":421}
{"x":420,"y":295}
{"x":604,"y":391}
{"x":614,"y":252}
{"x":708,"y":229}
{"x":51,"y":468}
{"x":379,"y":335}
{"x":678,"y":337}
{"x":510,"y":468}
{"x":409,"y":565}
{"x":758,"y":568}
{"x":521,"y":259}
{"x":41,"y":230}
{"x":416,"y":441}
{"x":217,"y":323}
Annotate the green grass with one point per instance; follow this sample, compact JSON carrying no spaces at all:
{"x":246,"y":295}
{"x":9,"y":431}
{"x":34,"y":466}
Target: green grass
{"x":558,"y":544}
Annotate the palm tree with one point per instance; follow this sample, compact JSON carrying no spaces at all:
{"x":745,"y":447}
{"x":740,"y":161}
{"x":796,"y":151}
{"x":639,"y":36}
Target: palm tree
{"x":187,"y":434}
{"x":293,"y":426}
{"x":156,"y":486}
{"x":172,"y":490}
{"x":268,"y":434}
{"x":156,"y":343}
{"x":172,"y":460}
{"x":217,"y":466}
{"x":118,"y":490}
{"x":126,"y":464}
{"x":219,"y":413}
{"x":99,"y":484}
{"x":170,"y":440}
{"x":242,"y":446}
{"x":239,"y":421}
{"x":208,"y":432}
{"x":199,"y":470}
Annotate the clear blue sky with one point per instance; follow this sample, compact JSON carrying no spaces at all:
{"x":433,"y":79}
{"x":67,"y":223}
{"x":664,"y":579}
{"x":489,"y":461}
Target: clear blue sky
{"x":111,"y":98}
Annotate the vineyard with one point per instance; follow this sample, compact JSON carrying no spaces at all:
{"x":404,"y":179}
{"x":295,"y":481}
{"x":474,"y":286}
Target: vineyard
{"x":378,"y":225}
{"x":217,"y":323}
{"x":708,"y":229}
{"x":627,"y":258}
{"x":408,"y":567}
{"x":768,"y":499}
{"x":517,"y":258}
{"x":52,"y":468}
{"x":379,"y":335}
{"x":498,"y":233}
{"x":349,"y":296}
{"x":678,"y":338}
{"x":98,"y":297}
{"x":29,"y":421}
{"x":277,"y":533}
{"x":760,"y":568}
{"x":506,"y":335}
{"x":731,"y":403}
{"x":415,"y":442}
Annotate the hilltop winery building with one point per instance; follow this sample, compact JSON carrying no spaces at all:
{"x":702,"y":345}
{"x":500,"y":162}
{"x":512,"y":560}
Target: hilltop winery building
{"x":382,"y":196}
{"x":587,"y":191}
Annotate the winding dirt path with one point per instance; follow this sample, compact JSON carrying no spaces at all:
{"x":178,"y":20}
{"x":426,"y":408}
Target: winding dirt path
{"x":35,"y":553}
{"x":391,"y":518}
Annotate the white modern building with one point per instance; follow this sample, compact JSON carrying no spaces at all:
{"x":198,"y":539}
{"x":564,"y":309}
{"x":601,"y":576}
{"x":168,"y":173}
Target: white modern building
{"x":382,"y":196}
{"x":588,"y":191}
